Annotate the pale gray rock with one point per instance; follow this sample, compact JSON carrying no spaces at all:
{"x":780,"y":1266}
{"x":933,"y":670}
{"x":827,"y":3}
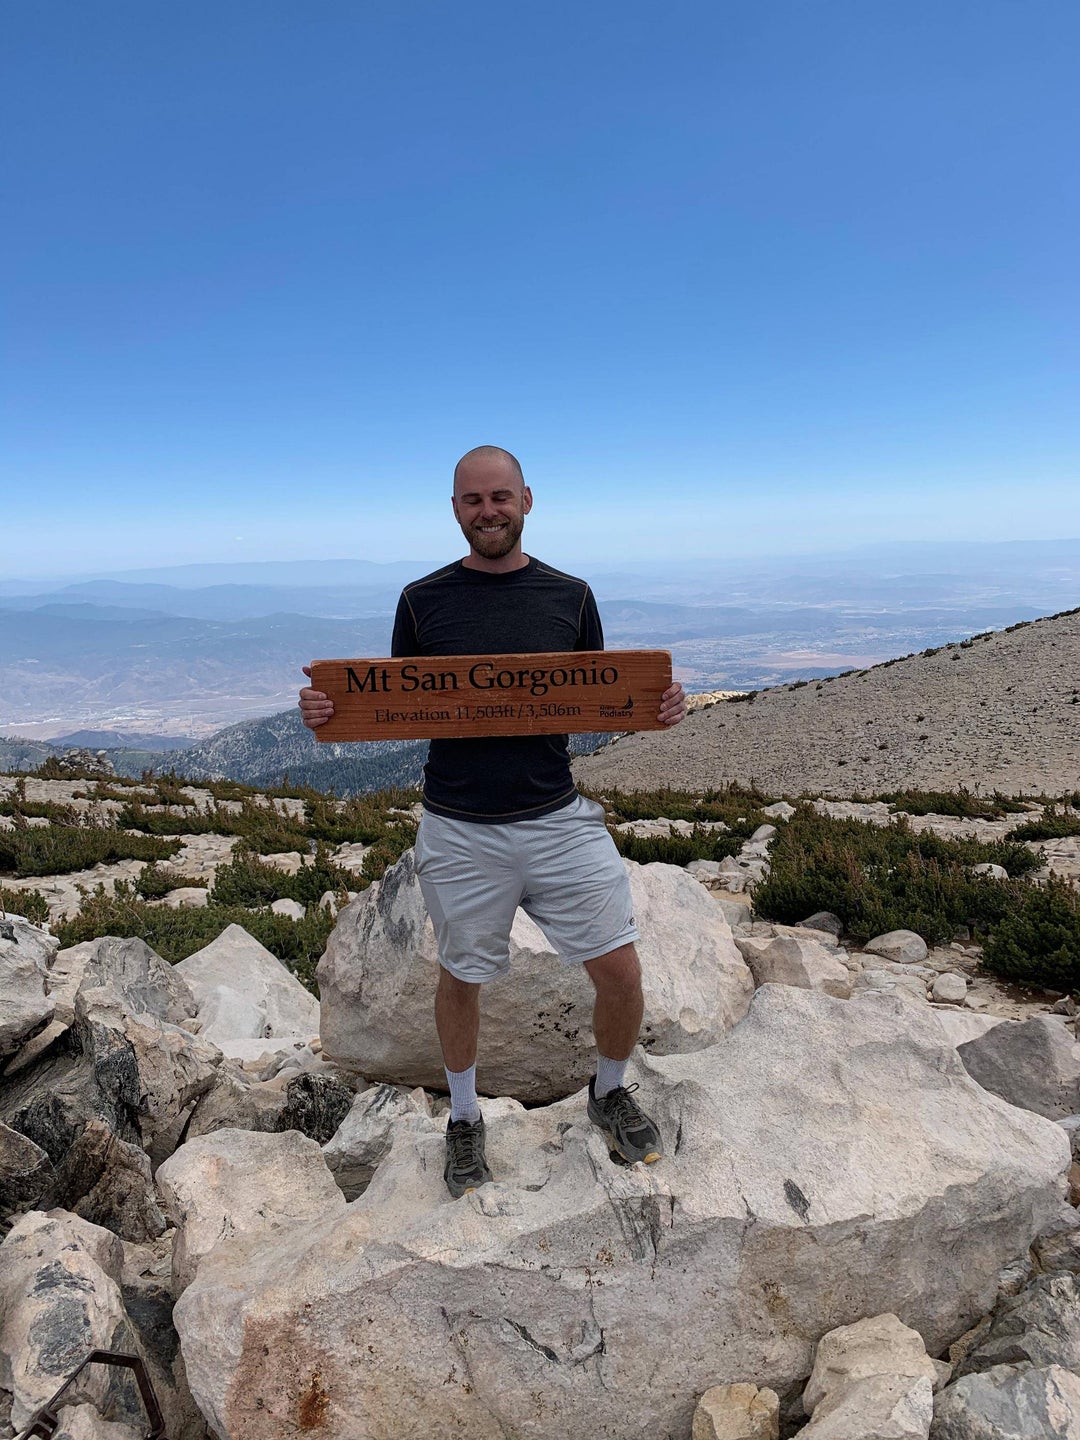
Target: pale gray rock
{"x":229,"y":1013}
{"x":735,"y":912}
{"x":737,"y":1412}
{"x":950,"y":988}
{"x":824,"y":920}
{"x":289,"y":862}
{"x":351,"y":856}
{"x":878,"y":1345}
{"x":1057,"y":1249}
{"x":363,"y":1138}
{"x":902,"y":945}
{"x":910,"y":987}
{"x":1010,"y":1403}
{"x":155,"y":1071}
{"x":59,"y":1298}
{"x":704,"y":870}
{"x":879,"y":1407}
{"x":996,"y":872}
{"x":1032,"y":1063}
{"x":84,"y":1422}
{"x":107,"y":1181}
{"x":136,"y":1075}
{"x":764,"y":832}
{"x":755,"y":1235}
{"x":236,"y":961}
{"x":291,"y":909}
{"x":781,"y":810}
{"x":377,"y":981}
{"x":26,"y":1172}
{"x":237,"y":1182}
{"x":143,"y":983}
{"x":960,"y":1026}
{"x":25,"y":1006}
{"x":187,"y":897}
{"x":1040,"y":1324}
{"x":234,"y":1104}
{"x":1071,"y":1126}
{"x":791,"y":960}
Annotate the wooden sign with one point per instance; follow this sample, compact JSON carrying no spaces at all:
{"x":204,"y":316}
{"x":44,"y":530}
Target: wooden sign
{"x":433,"y":696}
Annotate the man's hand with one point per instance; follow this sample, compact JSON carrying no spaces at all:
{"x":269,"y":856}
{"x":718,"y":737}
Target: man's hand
{"x":315,"y":707}
{"x":672,"y":705}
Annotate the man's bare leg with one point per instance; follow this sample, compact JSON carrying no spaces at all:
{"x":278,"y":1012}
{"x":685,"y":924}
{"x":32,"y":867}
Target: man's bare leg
{"x":619,"y":1002}
{"x":457,"y":1019}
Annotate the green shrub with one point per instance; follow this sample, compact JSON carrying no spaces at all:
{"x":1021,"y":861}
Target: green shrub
{"x":263,"y":829}
{"x":361,"y":819}
{"x":382,"y":855}
{"x":247,"y":880}
{"x":60,"y":849}
{"x":961,"y":803}
{"x":1052,"y":825}
{"x":30,"y":904}
{"x":1039,"y":942}
{"x":677,"y":849}
{"x":737,"y":806}
{"x":879,"y":878}
{"x":153,"y":883}
{"x":175,"y":934}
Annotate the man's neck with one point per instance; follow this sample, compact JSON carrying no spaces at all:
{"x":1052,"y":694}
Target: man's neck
{"x":516,"y":560}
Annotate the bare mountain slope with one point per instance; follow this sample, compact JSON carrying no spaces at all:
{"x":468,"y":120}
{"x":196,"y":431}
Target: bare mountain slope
{"x":998,"y":712}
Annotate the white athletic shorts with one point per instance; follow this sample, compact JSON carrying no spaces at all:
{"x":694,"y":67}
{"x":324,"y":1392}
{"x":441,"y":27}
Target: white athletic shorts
{"x":562,"y":869}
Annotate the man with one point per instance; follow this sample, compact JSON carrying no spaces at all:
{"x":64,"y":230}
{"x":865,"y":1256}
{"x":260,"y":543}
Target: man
{"x":503,"y":824}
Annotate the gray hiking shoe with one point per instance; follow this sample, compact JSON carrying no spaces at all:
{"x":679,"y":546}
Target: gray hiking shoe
{"x":466,"y":1164}
{"x":626,"y":1125}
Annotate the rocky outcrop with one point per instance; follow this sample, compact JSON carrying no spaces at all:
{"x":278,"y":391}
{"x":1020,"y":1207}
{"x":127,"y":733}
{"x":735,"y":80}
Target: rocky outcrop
{"x":873,"y":1378}
{"x":518,"y":1309}
{"x":236,"y":1182}
{"x":365,"y":1135}
{"x":25,"y":1006}
{"x":59,"y":1298}
{"x":114,"y":1086}
{"x":245,"y":994}
{"x":737,"y":1412}
{"x":1032,"y":1063}
{"x":142,"y":982}
{"x":377,"y":981}
{"x":1010,"y":1403}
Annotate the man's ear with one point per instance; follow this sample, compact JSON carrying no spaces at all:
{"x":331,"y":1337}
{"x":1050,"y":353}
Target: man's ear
{"x":453,"y":502}
{"x":526,"y":500}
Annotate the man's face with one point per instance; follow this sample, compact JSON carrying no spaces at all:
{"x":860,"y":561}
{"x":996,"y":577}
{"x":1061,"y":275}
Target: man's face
{"x":490,"y":504}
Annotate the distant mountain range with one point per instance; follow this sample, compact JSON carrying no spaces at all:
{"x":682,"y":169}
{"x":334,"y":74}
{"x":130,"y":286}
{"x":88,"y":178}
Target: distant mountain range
{"x":188,"y":650}
{"x":266,"y":752}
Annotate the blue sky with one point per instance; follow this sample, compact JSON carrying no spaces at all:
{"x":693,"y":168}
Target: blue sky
{"x":728,"y":277}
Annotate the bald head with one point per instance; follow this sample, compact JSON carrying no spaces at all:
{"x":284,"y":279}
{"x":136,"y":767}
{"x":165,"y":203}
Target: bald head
{"x":485,"y":456}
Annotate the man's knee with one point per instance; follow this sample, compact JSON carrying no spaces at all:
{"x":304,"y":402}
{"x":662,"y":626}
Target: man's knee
{"x":458,"y":992}
{"x":618,"y":970}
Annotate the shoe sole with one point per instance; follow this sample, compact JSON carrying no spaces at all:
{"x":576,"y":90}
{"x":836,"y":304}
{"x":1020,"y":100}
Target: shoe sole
{"x":650,"y":1157}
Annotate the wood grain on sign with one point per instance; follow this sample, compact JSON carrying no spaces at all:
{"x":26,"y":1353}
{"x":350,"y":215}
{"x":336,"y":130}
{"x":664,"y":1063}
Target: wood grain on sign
{"x":430,"y":696}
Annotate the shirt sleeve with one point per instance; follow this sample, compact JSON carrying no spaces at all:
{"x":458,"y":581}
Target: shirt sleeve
{"x":405,"y":640}
{"x":590,"y":631}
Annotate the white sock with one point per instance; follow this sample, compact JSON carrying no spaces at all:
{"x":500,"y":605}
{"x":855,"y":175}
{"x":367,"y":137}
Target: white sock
{"x":609,"y":1075}
{"x":463,"y":1102}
